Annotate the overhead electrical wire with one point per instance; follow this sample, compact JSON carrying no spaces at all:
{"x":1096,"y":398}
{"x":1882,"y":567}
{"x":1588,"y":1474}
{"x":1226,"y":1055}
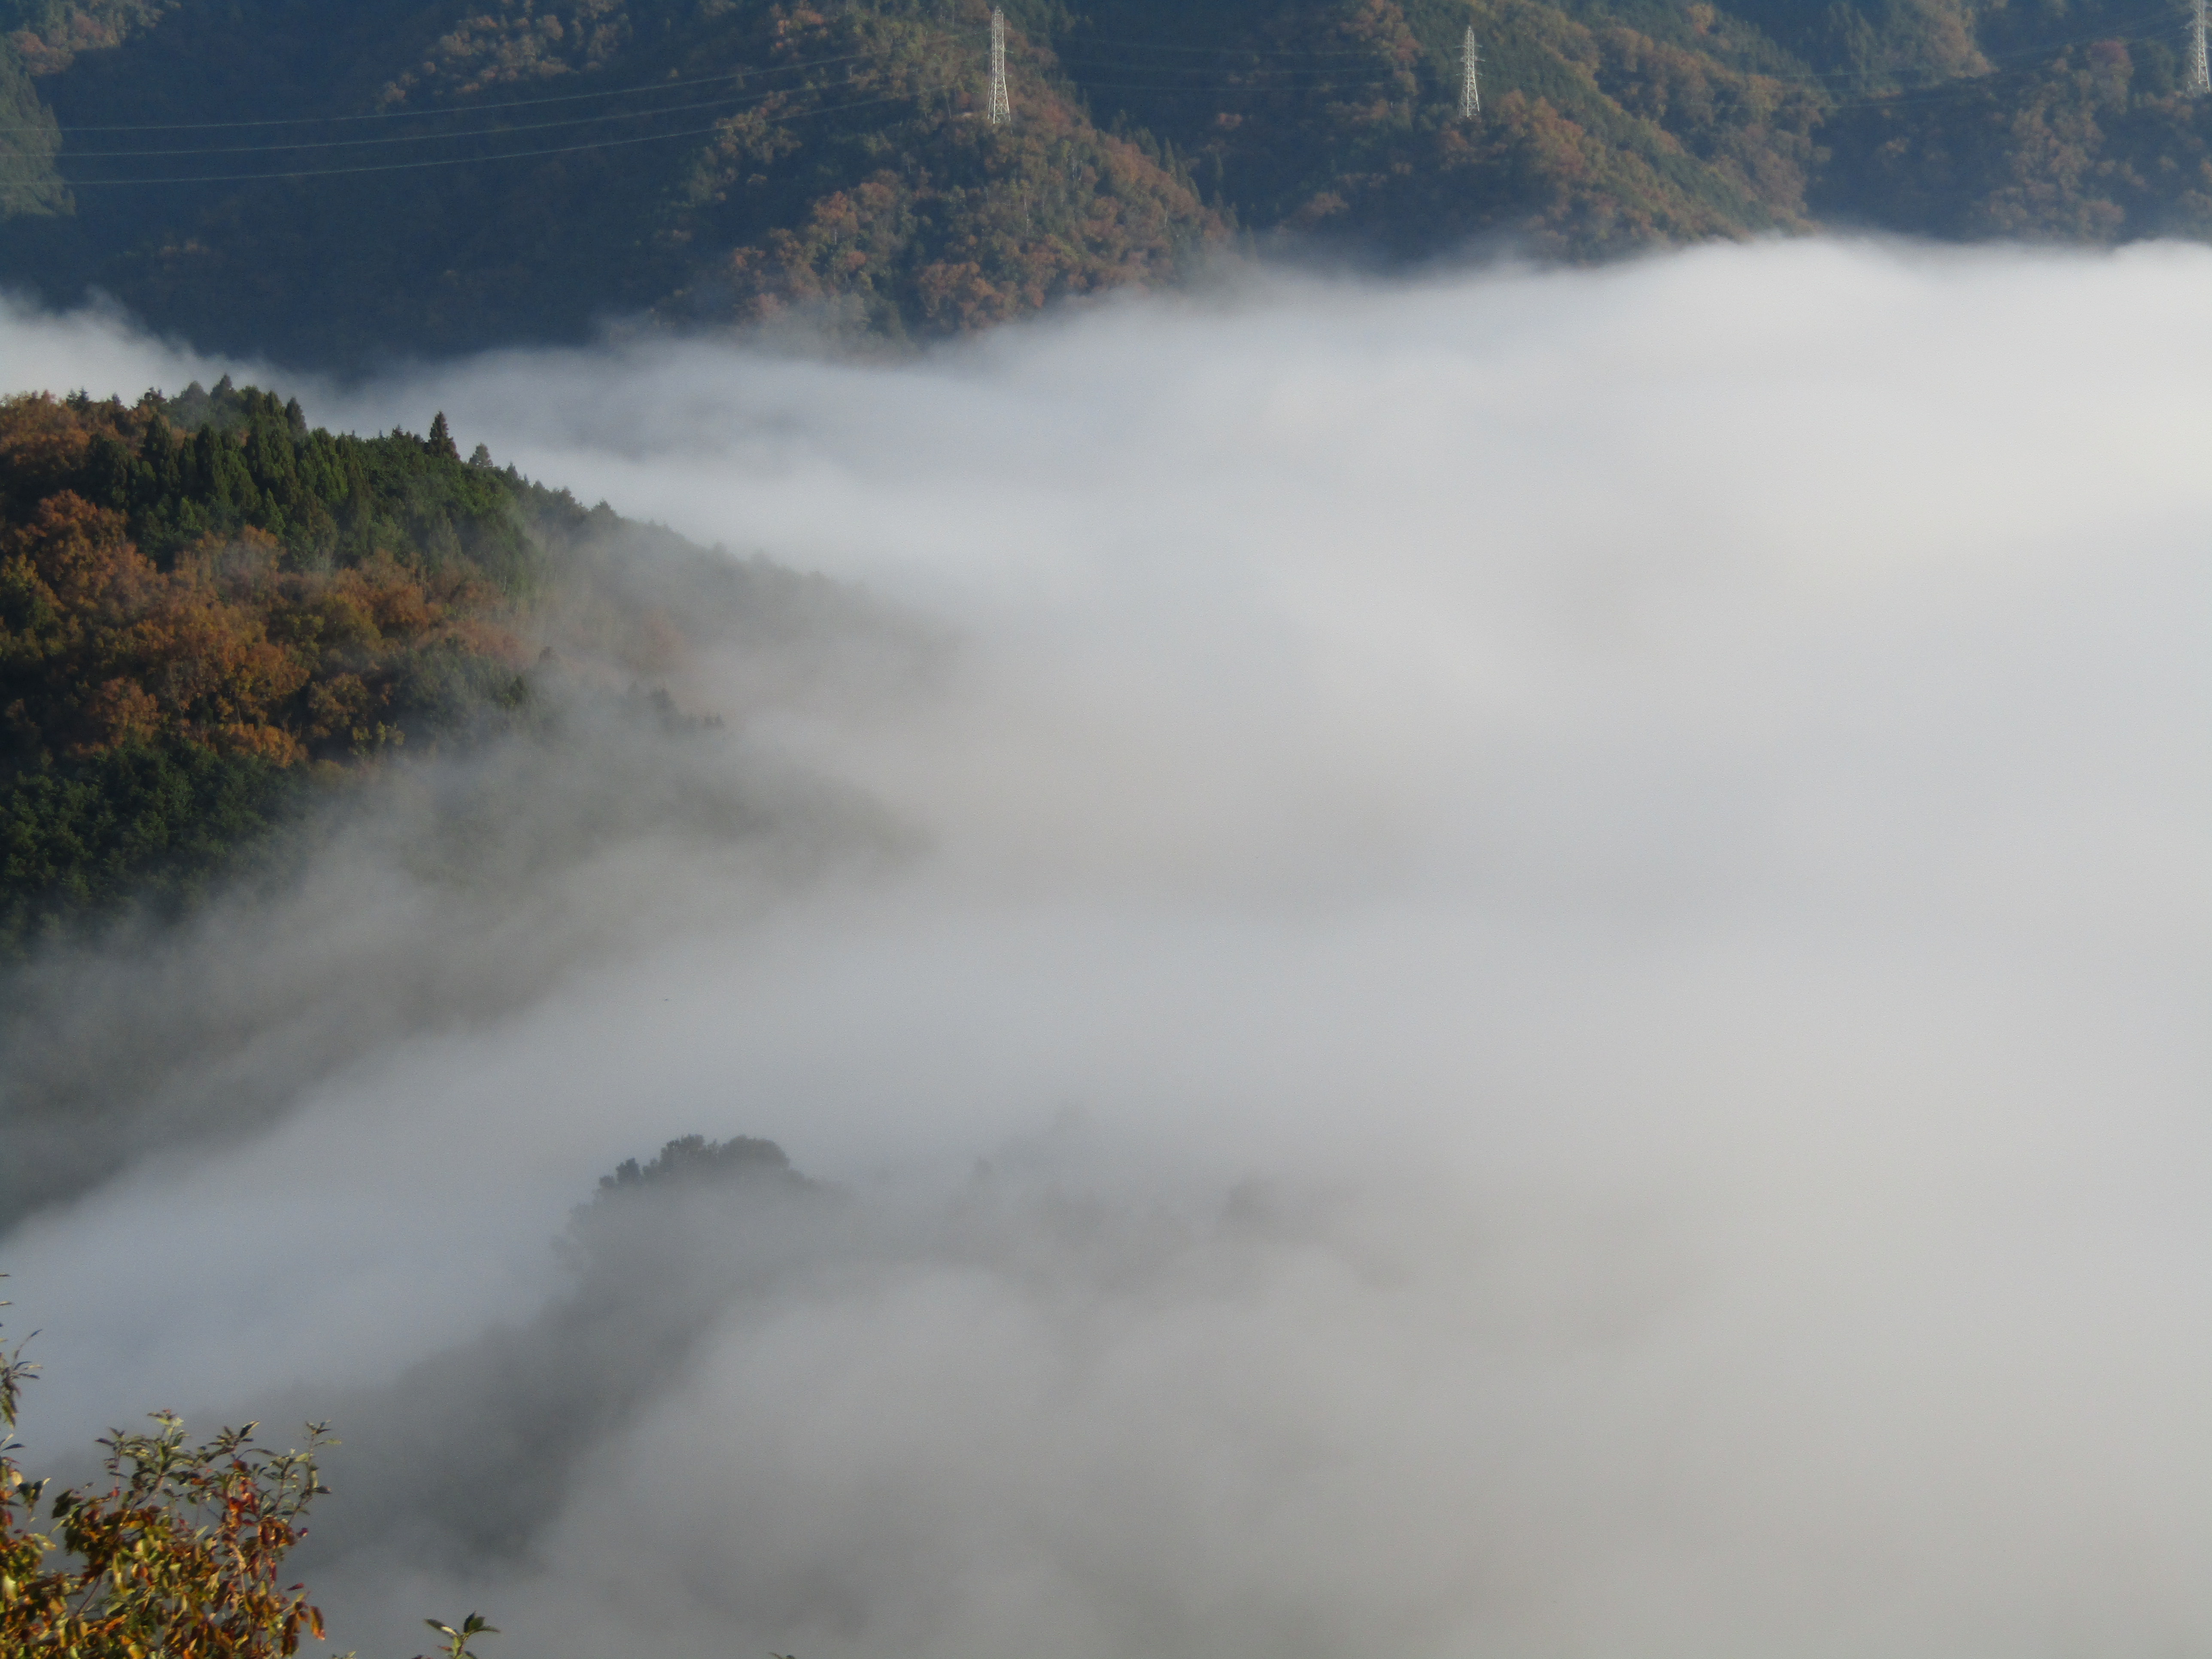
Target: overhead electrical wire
{"x":2044,"y":50}
{"x":293,"y":145}
{"x":437,"y":137}
{"x":2009,"y":67}
{"x":2043,"y":53}
{"x":457,"y":109}
{"x":1963,"y":87}
{"x":2156,"y":9}
{"x":1310,"y":63}
{"x":1230,"y":88}
{"x":1232,"y":52}
{"x":468,"y":160}
{"x":2174,"y":28}
{"x":1074,"y":53}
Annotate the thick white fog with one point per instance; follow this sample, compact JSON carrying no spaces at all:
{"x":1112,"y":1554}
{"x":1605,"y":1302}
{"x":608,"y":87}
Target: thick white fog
{"x":1547,"y":996}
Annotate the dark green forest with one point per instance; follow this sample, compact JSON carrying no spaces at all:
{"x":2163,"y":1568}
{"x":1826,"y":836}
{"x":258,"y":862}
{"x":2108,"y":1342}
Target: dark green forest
{"x":337,"y":186}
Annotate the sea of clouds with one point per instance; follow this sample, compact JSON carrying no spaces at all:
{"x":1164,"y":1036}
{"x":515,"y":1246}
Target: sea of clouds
{"x":1545,"y":994}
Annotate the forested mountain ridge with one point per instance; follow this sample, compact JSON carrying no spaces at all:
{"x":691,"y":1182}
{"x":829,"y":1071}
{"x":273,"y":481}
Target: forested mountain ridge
{"x":333,"y":185}
{"x":211,"y":615}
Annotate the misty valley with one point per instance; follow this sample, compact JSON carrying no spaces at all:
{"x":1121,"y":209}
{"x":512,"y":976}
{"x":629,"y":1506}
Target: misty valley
{"x":905,"y":829}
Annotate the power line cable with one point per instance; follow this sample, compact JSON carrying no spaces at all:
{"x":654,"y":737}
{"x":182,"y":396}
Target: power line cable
{"x":465,"y":160}
{"x":1959,"y":85}
{"x":454,"y":109}
{"x":1211,"y":52}
{"x":1959,"y":90}
{"x":1080,"y":68}
{"x":436,"y":137}
{"x":2023,"y":54}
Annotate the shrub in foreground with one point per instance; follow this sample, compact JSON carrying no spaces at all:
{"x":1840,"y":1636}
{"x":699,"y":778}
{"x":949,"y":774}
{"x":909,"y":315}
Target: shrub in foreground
{"x":180,"y":1558}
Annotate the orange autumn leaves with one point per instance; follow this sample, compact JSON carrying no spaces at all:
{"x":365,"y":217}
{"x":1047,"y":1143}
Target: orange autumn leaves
{"x":131,"y":655}
{"x":234,"y":648}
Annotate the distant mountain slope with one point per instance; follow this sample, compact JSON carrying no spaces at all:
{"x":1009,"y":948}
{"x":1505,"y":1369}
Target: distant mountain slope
{"x":333,"y":185}
{"x":751,"y":157}
{"x":30,"y":184}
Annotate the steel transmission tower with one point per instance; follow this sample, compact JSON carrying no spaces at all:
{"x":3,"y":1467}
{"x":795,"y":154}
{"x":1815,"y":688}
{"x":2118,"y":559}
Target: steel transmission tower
{"x":1002,"y":110}
{"x":2200,"y":67}
{"x":1470,"y":96}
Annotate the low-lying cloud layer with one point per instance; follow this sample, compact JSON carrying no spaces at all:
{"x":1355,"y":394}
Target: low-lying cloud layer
{"x":1572,"y":913}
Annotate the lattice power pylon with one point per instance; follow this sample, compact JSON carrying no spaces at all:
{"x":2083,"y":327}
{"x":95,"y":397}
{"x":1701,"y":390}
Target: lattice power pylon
{"x":2200,"y":66}
{"x":1470,"y":95}
{"x":1002,"y":108}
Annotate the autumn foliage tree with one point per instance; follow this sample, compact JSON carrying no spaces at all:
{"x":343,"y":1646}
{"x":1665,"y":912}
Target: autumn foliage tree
{"x":181,"y":1557}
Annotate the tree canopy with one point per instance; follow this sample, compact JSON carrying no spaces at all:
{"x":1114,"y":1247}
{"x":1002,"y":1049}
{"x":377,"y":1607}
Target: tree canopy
{"x":208,"y":610}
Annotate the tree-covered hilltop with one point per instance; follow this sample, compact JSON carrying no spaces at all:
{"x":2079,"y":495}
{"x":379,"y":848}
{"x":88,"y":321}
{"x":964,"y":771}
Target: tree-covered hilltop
{"x":212,"y":615}
{"x":328,"y":184}
{"x":202,"y":603}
